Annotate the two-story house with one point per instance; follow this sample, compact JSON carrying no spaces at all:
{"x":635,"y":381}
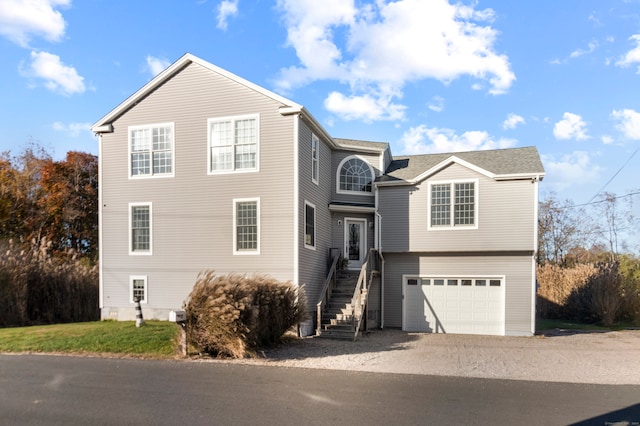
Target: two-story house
{"x":201,"y":169}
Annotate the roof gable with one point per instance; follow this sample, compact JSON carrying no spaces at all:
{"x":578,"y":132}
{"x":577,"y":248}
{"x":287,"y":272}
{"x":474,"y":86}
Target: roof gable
{"x":104,"y":123}
{"x":514,"y":163}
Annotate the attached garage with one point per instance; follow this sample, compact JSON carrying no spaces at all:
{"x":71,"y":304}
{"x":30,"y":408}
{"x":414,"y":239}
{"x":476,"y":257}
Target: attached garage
{"x":450,"y":304}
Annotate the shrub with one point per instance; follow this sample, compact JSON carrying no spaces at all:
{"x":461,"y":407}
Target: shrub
{"x":588,"y":293}
{"x":38,"y":288}
{"x":601,"y":298}
{"x":232,"y":315}
{"x":556,"y":284}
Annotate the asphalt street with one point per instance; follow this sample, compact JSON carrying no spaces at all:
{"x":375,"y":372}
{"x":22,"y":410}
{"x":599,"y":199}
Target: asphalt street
{"x":64,"y":390}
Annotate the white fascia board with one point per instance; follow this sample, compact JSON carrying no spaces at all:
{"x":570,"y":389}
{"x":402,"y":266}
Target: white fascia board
{"x":517,"y":176}
{"x":171,"y":70}
{"x":351,"y":209}
{"x":399,"y":182}
{"x":316,"y":127}
{"x":106,"y":128}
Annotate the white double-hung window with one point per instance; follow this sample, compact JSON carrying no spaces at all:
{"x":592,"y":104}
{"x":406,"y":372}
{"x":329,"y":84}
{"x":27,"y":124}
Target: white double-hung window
{"x":246,"y":233}
{"x":151,"y":150}
{"x":138,"y":288}
{"x":234,"y":143}
{"x":453,"y":204}
{"x":140,"y":233}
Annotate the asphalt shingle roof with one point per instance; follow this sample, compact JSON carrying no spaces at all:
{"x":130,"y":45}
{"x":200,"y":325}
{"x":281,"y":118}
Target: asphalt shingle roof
{"x":364,"y":144}
{"x":499,"y":162}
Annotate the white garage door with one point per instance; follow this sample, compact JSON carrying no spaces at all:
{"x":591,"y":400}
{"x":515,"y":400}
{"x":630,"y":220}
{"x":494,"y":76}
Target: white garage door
{"x":462,"y":305}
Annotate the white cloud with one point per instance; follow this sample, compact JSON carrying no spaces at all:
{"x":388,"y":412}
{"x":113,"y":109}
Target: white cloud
{"x":388,"y":44}
{"x":227,"y":9}
{"x":156,"y":65}
{"x":436,"y":104}
{"x":72,"y":129}
{"x":426,"y":140}
{"x":512,"y":121}
{"x":632,"y":56}
{"x":366,"y":107}
{"x":22,"y":19}
{"x":570,"y":127}
{"x":628,"y":122}
{"x":579,"y":52}
{"x":606,"y":139}
{"x":57,"y":76}
{"x":570,"y":170}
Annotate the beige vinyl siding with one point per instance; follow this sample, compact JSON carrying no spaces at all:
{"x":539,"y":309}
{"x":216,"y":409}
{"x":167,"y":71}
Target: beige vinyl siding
{"x":313,"y":263}
{"x":506,"y":220}
{"x":515,"y":268}
{"x":193,"y":211}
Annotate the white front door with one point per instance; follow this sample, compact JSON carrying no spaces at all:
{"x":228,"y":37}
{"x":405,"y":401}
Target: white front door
{"x":355,"y":242}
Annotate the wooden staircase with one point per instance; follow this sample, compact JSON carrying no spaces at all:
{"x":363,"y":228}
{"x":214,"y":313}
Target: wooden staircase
{"x":337,"y":319}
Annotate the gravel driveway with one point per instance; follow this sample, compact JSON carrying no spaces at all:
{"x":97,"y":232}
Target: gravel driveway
{"x":555,"y":356}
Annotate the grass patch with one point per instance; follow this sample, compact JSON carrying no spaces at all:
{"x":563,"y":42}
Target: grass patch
{"x":155,"y":339}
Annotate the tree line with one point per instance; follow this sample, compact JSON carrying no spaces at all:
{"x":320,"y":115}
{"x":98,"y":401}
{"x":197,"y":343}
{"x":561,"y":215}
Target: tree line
{"x":48,"y":238}
{"x":587,"y":268}
{"x":42,"y":199}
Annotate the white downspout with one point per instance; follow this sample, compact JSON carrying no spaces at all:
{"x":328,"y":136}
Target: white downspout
{"x":378,"y":246}
{"x":296,"y":199}
{"x":535,"y":251}
{"x":100,"y":215}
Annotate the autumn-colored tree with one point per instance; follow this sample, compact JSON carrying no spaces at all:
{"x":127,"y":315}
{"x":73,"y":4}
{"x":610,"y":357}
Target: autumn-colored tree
{"x":69,"y":202}
{"x":54,"y":200}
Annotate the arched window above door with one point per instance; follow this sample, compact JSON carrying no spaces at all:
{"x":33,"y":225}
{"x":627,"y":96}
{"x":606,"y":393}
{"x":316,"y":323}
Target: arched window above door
{"x":354,"y":176}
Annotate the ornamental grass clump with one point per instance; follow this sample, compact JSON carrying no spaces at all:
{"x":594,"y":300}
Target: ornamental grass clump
{"x":230,"y":316}
{"x":38,"y":287}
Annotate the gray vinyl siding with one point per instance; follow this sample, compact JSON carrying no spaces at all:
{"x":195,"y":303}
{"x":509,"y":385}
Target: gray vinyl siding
{"x":517,"y":270}
{"x":192,"y":213}
{"x":336,"y":158}
{"x":506,"y":216}
{"x":337,"y":228}
{"x":313,"y":263}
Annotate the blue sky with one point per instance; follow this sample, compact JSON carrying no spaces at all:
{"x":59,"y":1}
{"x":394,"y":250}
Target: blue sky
{"x":423,"y":75}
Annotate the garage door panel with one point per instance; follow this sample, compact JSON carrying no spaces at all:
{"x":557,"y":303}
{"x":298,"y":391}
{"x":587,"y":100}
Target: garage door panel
{"x":462,"y":308}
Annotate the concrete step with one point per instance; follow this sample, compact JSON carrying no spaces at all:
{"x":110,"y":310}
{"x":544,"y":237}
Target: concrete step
{"x":337,"y":334}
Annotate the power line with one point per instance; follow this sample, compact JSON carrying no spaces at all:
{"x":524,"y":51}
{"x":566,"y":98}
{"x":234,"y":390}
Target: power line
{"x":613,"y":177}
{"x":630,"y":194}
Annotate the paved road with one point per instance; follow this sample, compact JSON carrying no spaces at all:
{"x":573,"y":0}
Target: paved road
{"x":52,"y":390}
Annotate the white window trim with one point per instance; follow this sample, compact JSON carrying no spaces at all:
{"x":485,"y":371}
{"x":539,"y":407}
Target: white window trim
{"x":235,"y":235}
{"x":315,"y":162}
{"x":476,"y":209}
{"x":173,"y":151}
{"x":359,"y":193}
{"x":315,"y":222}
{"x":233,"y":118}
{"x":141,"y":253}
{"x":146,"y":288}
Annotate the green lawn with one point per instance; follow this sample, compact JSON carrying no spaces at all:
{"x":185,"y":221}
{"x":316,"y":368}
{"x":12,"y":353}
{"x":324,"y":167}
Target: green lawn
{"x":154,"y":339}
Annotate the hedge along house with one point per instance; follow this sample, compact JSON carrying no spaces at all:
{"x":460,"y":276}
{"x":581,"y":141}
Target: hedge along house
{"x":201,"y":169}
